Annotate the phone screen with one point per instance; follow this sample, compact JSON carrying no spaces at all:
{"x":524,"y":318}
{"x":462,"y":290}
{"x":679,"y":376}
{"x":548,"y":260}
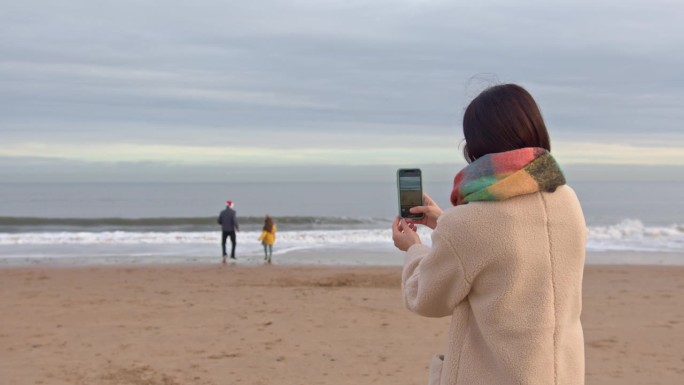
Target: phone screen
{"x":410,"y":187}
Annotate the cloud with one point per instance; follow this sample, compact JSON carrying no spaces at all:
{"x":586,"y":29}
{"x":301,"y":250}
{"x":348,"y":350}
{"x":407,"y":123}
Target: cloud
{"x":348,"y":152}
{"x":618,"y":153}
{"x":367,"y":82}
{"x":53,"y":170}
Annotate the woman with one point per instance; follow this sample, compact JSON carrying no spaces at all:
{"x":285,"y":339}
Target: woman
{"x":506,"y":261}
{"x":267,"y":238}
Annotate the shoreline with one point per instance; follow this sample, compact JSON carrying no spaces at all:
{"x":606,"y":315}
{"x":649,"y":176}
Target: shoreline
{"x":213,"y":324}
{"x":330,"y":257}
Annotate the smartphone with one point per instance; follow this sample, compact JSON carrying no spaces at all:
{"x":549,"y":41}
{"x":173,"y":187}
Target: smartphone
{"x":410,"y":187}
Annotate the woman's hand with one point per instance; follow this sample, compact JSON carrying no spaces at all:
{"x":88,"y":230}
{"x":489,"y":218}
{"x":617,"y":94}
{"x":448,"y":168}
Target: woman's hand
{"x":403,"y":234}
{"x":430,"y":212}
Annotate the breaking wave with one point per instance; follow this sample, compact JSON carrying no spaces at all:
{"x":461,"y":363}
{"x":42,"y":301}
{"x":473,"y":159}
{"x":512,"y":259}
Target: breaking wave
{"x":628,"y":235}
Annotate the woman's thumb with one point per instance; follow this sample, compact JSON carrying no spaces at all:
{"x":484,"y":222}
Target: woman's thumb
{"x":419,"y":209}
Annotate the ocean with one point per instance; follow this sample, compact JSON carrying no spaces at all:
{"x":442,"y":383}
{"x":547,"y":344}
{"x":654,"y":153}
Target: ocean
{"x":318,"y":223}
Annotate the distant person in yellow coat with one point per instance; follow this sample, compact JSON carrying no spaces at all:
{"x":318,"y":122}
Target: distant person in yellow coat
{"x":268,"y":237}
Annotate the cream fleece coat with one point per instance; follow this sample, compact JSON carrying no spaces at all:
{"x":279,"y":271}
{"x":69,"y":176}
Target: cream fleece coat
{"x":509,"y":273}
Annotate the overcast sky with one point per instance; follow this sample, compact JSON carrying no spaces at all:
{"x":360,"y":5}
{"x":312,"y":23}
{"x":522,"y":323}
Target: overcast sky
{"x":138,"y":89}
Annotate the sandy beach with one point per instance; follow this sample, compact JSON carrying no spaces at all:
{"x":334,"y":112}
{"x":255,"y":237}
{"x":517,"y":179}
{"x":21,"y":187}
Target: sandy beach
{"x":213,"y":324}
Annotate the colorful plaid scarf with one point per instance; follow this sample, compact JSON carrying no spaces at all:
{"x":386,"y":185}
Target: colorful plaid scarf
{"x":495,"y":177}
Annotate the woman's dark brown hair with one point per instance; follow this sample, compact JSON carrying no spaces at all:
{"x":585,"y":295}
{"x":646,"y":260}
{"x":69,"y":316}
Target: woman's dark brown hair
{"x":268,"y":224}
{"x":503,"y":118}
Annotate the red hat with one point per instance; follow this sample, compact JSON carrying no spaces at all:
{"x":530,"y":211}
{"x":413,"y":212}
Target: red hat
{"x":229,"y":203}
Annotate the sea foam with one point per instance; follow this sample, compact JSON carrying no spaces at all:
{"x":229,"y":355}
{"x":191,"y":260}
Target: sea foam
{"x":628,"y":235}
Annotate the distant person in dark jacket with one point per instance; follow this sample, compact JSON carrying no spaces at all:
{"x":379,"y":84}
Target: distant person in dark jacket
{"x":229,"y":225}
